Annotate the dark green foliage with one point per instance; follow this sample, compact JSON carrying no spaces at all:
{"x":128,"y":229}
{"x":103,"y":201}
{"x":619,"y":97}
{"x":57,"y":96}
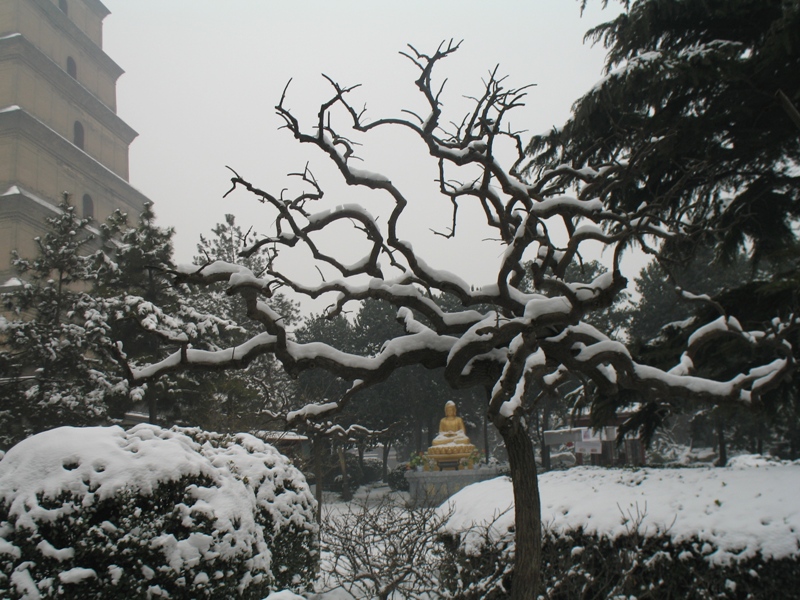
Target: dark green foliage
{"x":752,"y":298}
{"x":410,"y":400}
{"x":333,"y":480}
{"x":357,"y":474}
{"x":135,"y":280}
{"x":54,"y":337}
{"x":660,"y":304}
{"x":696,"y":112}
{"x":371,"y":470}
{"x":397,"y":478}
{"x":578,"y":566}
{"x":115,"y":533}
{"x":85,"y":305}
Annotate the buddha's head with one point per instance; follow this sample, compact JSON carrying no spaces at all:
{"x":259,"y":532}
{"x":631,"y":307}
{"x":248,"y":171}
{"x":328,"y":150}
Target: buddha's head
{"x":450,"y":409}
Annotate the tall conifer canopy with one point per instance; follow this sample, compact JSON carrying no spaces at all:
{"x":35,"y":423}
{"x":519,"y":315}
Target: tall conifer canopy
{"x":700,"y":103}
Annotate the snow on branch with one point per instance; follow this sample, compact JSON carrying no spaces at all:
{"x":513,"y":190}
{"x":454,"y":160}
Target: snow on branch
{"x":527,"y":327}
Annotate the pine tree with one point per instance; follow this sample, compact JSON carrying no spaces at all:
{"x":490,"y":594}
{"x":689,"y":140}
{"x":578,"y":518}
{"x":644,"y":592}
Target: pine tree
{"x":697,"y":115}
{"x":55,"y":337}
{"x":246,"y":398}
{"x":149,"y":314}
{"x":698,"y":112}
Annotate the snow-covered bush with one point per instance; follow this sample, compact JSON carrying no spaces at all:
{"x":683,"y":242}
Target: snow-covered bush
{"x":693,"y":533}
{"x":580,"y":565}
{"x":397,"y":478}
{"x":106,"y":513}
{"x":371,"y":470}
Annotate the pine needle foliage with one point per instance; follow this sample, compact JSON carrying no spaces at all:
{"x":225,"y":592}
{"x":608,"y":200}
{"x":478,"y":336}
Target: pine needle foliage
{"x":699,"y":104}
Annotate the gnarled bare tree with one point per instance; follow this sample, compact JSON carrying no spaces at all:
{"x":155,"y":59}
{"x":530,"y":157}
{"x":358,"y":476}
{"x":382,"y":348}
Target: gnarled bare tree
{"x":525,"y":329}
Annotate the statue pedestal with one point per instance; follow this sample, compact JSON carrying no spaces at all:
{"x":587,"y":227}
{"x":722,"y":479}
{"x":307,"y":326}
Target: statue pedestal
{"x":449,"y":456}
{"x":432,"y":488}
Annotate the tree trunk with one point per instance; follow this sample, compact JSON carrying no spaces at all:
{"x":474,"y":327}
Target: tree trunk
{"x":347,"y":494}
{"x":152,"y":410}
{"x":760,"y":437}
{"x":385,"y":466}
{"x":527,"y":511}
{"x":433,"y":431}
{"x":544,"y":447}
{"x":361,"y":450}
{"x":721,"y":443}
{"x":486,"y":437}
{"x":317,"y":450}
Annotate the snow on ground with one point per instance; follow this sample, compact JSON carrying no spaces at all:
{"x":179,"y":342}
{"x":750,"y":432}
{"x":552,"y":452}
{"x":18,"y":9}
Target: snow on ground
{"x":748,"y":507}
{"x":371,"y":495}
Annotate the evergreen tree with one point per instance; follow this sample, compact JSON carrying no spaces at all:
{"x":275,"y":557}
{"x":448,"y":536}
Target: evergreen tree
{"x":133,"y":284}
{"x":262,"y":388}
{"x":55,"y":338}
{"x":87,"y":305}
{"x":659,"y":303}
{"x":153,"y":314}
{"x":698,"y":113}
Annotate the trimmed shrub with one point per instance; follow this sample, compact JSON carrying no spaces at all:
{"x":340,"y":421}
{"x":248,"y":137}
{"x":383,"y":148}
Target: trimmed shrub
{"x":332,"y":481}
{"x":581,"y":566}
{"x":397,"y":478}
{"x":371,"y":471}
{"x":381,"y":548}
{"x":101,"y":512}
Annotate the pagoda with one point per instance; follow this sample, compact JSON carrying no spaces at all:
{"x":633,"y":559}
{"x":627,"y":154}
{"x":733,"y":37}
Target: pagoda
{"x":59,"y":129}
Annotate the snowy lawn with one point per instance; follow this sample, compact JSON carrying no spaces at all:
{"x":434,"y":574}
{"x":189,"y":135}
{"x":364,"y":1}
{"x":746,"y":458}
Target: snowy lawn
{"x":751,"y":506}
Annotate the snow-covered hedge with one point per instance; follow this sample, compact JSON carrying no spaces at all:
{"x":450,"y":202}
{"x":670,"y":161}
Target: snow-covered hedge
{"x":582,"y":566}
{"x":105,"y":513}
{"x":692,"y":533}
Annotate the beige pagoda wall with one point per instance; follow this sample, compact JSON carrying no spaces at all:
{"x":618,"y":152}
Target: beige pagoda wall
{"x":40,"y":101}
{"x":20,"y":223}
{"x":27,"y":18}
{"x":86,"y":19}
{"x":37,"y":169}
{"x":22,"y":86}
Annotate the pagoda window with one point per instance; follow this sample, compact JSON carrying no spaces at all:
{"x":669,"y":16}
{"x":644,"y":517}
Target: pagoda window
{"x":88,"y":207}
{"x":78,"y":135}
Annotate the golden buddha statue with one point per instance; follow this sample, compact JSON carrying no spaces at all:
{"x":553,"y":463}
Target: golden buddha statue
{"x":452,"y":443}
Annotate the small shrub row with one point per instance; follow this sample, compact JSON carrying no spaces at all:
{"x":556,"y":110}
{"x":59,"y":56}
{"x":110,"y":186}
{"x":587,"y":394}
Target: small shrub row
{"x":397,"y":478}
{"x":381,"y":548}
{"x":357,"y":474}
{"x":580,"y":566}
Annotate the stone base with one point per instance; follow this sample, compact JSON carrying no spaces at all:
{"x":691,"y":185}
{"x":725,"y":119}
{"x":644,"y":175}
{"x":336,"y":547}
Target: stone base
{"x":432,"y":488}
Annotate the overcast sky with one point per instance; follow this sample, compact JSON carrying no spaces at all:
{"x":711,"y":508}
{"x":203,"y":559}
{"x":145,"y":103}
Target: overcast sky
{"x":203,"y":77}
